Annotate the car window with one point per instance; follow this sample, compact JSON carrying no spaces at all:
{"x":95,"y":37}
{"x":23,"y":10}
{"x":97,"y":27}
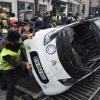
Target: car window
{"x":97,"y":22}
{"x":53,"y":35}
{"x":60,"y":32}
{"x":71,"y":33}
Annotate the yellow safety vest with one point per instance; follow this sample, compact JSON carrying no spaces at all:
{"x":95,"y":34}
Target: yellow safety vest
{"x":55,"y":18}
{"x":5,"y":65}
{"x":4,"y":31}
{"x":4,"y":20}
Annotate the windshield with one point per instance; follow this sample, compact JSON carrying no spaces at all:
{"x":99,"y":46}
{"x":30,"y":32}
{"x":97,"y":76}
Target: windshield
{"x":97,"y":22}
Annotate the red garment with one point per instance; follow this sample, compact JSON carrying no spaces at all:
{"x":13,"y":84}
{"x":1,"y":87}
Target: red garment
{"x":13,"y":20}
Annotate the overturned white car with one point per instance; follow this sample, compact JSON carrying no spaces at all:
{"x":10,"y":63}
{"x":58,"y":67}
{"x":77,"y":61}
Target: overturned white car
{"x":64,"y":55}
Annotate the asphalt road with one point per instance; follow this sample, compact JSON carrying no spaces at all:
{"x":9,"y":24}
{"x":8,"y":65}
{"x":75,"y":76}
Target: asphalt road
{"x":3,"y":96}
{"x":26,"y":82}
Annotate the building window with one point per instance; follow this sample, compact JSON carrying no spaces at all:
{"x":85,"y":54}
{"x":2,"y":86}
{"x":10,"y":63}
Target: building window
{"x":25,"y":10}
{"x":71,"y":7}
{"x":6,"y":5}
{"x":83,"y":9}
{"x":21,"y":5}
{"x":42,"y":8}
{"x":30,"y":6}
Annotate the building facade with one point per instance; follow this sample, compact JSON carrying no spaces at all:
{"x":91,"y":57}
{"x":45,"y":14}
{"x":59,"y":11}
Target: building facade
{"x":95,"y":7}
{"x":26,"y":8}
{"x":73,"y":6}
{"x":11,"y":5}
{"x":66,"y":6}
{"x":58,"y":6}
{"x":85,"y":7}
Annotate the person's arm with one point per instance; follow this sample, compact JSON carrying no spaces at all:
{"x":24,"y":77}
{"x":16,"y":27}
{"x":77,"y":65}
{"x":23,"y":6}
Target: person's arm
{"x":12,"y":61}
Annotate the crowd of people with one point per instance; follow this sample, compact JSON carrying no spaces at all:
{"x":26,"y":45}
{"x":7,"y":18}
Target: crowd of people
{"x":28,"y":27}
{"x":12,"y":52}
{"x":38,"y":21}
{"x":53,"y":20}
{"x":13,"y":33}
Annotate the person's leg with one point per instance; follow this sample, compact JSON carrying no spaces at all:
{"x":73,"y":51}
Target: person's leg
{"x":3,"y":85}
{"x":10,"y":86}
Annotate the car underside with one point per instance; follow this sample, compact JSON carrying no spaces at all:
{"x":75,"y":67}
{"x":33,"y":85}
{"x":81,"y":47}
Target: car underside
{"x":78,"y":49}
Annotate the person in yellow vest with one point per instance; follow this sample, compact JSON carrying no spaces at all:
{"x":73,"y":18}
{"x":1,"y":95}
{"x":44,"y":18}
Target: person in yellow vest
{"x":10,"y":61}
{"x":57,"y":19}
{"x":4,"y":19}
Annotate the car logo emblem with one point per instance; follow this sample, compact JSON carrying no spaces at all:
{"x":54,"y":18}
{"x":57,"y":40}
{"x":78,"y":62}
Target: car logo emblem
{"x":50,"y":49}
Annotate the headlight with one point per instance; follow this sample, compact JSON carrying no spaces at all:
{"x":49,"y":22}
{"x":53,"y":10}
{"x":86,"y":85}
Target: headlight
{"x":47,"y":39}
{"x":68,"y":82}
{"x":50,"y":36}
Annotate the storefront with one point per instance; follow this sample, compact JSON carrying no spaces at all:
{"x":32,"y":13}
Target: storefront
{"x":73,"y":8}
{"x":42,"y":8}
{"x":6,"y":5}
{"x":59,"y":6}
{"x":25,"y":10}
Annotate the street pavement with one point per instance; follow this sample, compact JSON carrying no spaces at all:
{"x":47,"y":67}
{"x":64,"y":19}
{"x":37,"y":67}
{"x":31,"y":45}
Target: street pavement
{"x":3,"y":96}
{"x":25,"y":84}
